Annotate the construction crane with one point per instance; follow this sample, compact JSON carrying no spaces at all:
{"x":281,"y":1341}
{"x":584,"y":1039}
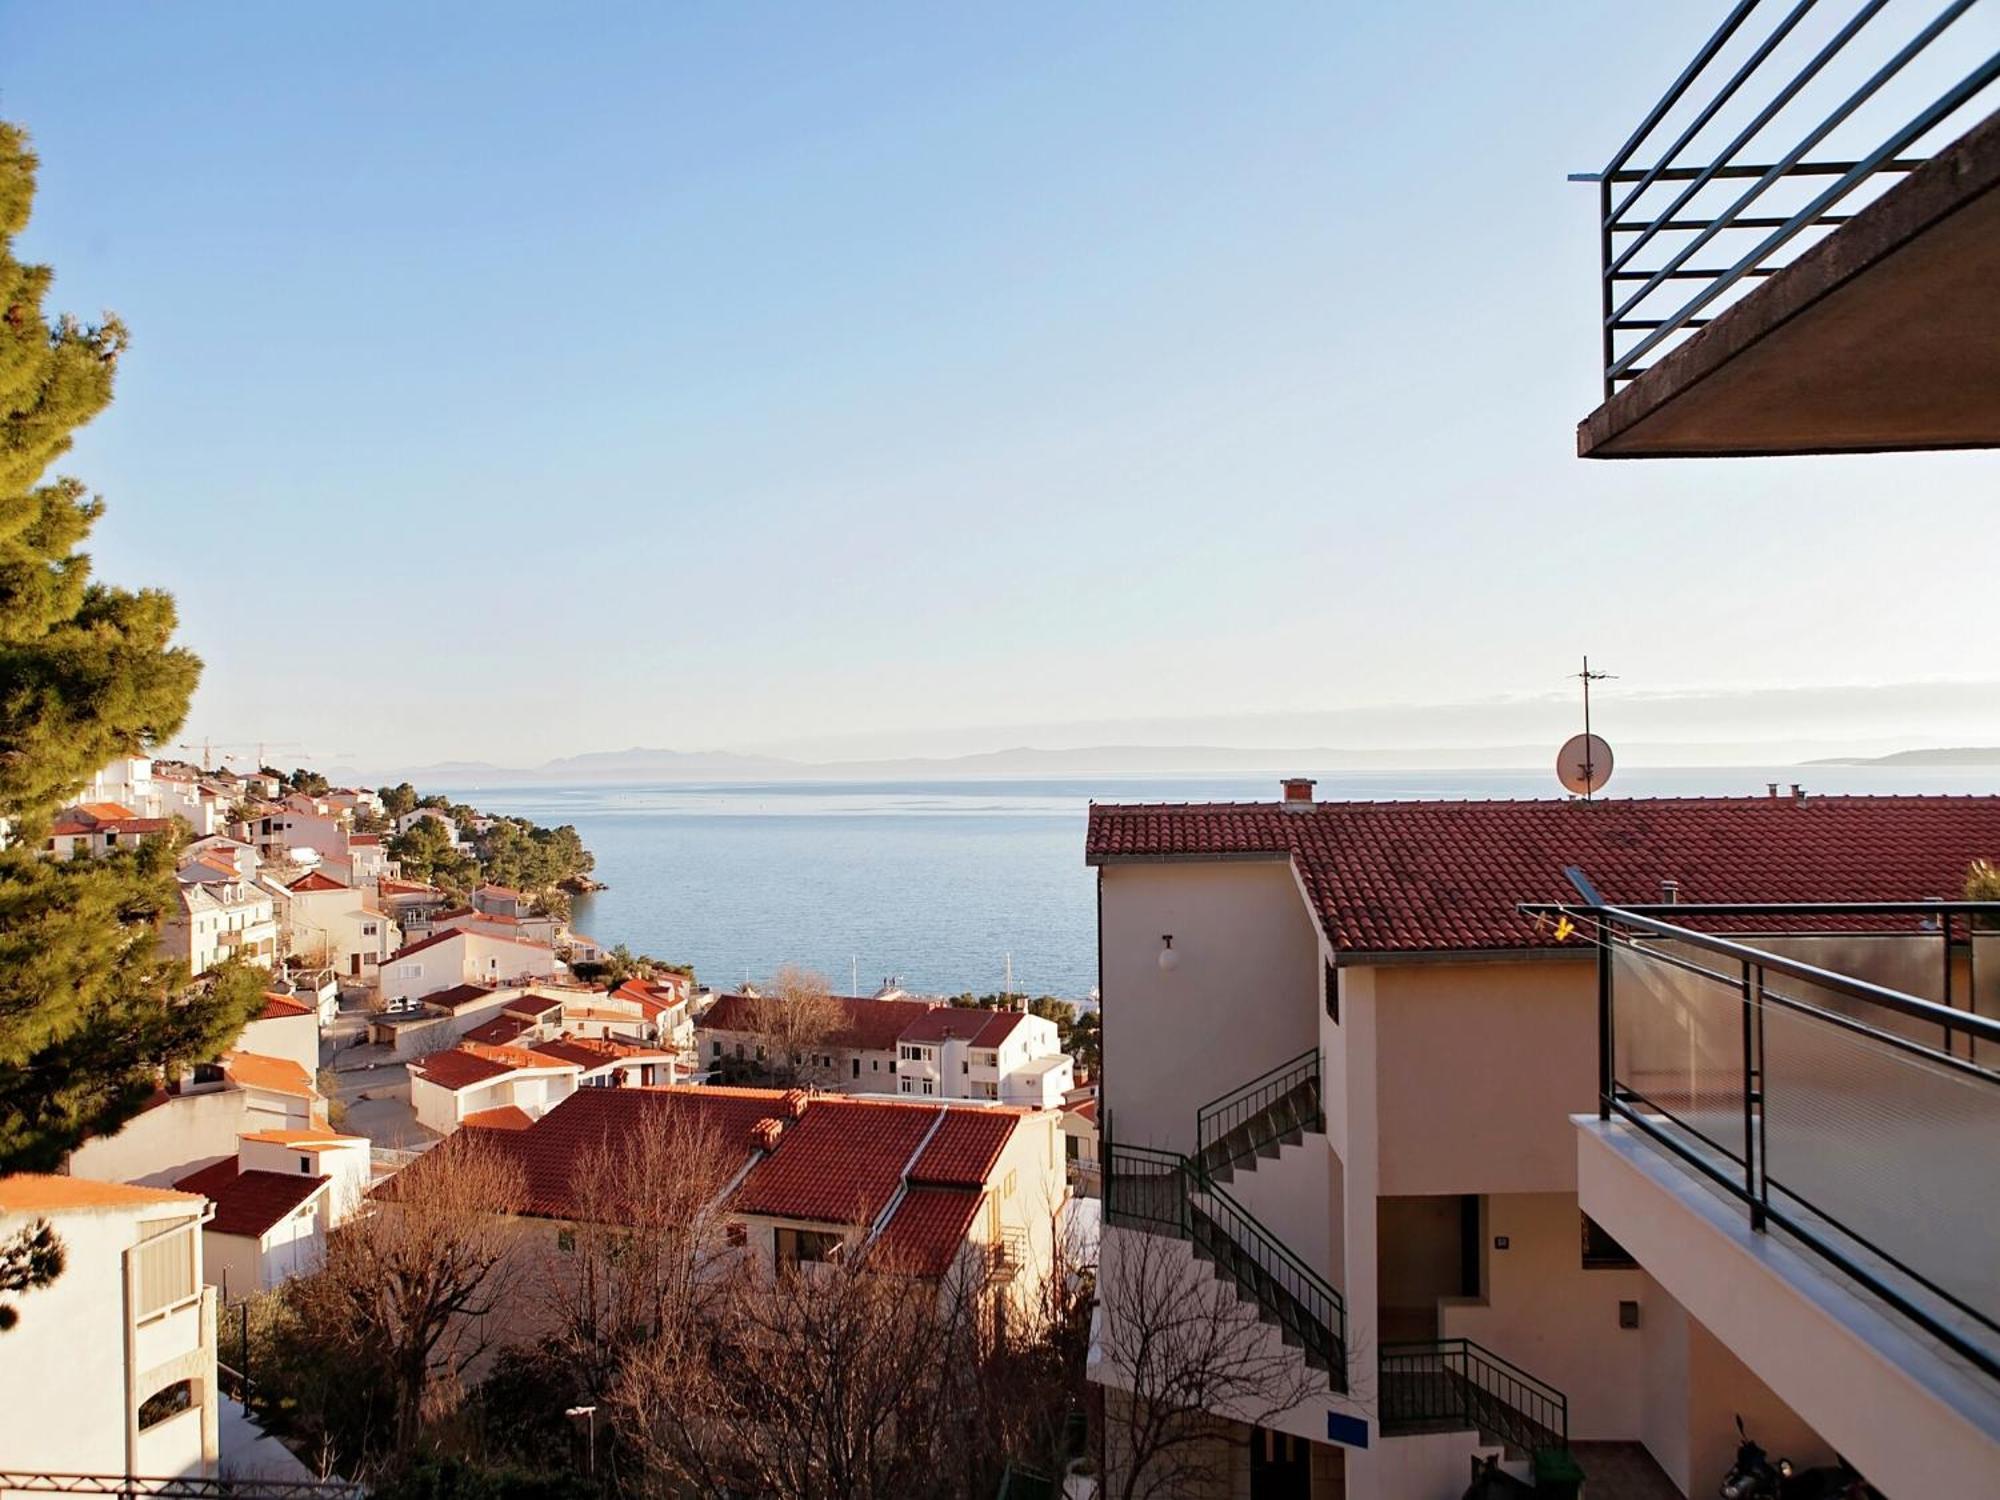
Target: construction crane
{"x":209,"y":747}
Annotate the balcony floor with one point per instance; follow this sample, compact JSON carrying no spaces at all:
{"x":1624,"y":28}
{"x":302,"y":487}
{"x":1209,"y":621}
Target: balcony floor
{"x":1884,"y":337}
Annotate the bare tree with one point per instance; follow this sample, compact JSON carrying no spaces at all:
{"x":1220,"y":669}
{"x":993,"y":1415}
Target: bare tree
{"x":648,"y":1246}
{"x":1190,"y":1362}
{"x":841,"y":1381}
{"x":793,"y":1017}
{"x":406,"y":1287}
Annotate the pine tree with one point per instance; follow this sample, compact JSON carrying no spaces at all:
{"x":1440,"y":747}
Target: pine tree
{"x":89,"y":1015}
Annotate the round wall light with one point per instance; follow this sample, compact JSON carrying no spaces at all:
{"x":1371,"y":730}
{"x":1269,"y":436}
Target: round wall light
{"x":1169,"y":960}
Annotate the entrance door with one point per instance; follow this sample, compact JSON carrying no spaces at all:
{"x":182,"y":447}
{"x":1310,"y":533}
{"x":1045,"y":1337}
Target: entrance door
{"x":354,"y":965}
{"x":1280,"y":1466}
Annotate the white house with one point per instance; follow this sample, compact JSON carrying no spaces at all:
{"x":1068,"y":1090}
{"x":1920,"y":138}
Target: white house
{"x":499,"y":1087}
{"x":959,"y":1052}
{"x":461,"y":956}
{"x":291,"y":825}
{"x":218,"y":920}
{"x":111,"y":1368}
{"x":610,"y":1065}
{"x":219,"y":851}
{"x":99,"y":828}
{"x":406,"y":821}
{"x":129,"y":782}
{"x":275,"y":1202}
{"x":332,"y":923}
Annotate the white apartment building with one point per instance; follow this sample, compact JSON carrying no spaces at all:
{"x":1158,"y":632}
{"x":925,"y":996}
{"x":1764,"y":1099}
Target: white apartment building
{"x":1344,"y":1070}
{"x":333,"y":924}
{"x":218,"y":920}
{"x":456,"y":957}
{"x":1007,"y":1056}
{"x":111,"y":1368}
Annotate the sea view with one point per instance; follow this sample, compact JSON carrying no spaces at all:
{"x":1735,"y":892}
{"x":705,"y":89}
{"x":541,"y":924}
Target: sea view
{"x":938,"y":882}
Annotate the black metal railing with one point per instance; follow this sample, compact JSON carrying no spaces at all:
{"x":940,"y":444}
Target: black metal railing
{"x":1860,"y":1119}
{"x":1455,"y":1383}
{"x":1163,"y":1192}
{"x":1789,"y":119}
{"x":1270,"y":1108}
{"x":134,"y":1487}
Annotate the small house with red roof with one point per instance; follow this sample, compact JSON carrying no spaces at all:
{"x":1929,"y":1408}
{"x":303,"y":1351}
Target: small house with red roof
{"x":275,"y":1203}
{"x":462,"y":956}
{"x":95,"y":829}
{"x":337,"y":925}
{"x":476,"y":1077}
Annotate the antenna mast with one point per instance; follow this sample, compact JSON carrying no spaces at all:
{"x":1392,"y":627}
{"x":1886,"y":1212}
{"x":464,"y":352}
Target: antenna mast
{"x":1589,"y":745}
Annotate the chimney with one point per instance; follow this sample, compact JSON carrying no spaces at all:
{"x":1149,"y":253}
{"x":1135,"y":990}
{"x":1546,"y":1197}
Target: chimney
{"x":795,"y":1102}
{"x":1298,"y":792}
{"x":766,"y":1132}
{"x":1670,"y":891}
{"x":1771,"y":787}
{"x":1798,"y":792}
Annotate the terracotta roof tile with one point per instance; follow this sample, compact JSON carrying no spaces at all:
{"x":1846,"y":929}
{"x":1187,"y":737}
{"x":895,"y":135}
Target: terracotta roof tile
{"x":250,"y":1203}
{"x":974,"y":1025}
{"x":475,"y":1062}
{"x":506,"y":1117}
{"x":965,"y":1148}
{"x":866,"y":1025}
{"x":839,"y":1163}
{"x":278,"y":1075}
{"x":1407,"y":876}
{"x":277,"y":1007}
{"x":38,"y":1192}
{"x":317,"y":881}
{"x":923,"y":1236}
{"x":499,"y":1031}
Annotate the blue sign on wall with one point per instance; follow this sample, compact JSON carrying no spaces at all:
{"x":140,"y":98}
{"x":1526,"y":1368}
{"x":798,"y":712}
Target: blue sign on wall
{"x":1352,"y":1431}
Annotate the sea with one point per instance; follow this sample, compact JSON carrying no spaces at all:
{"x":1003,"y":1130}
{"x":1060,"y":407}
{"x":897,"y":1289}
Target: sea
{"x":949,"y":886}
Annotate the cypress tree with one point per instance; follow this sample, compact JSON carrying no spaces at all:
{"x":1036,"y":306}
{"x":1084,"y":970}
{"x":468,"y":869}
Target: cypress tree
{"x":90,"y":1015}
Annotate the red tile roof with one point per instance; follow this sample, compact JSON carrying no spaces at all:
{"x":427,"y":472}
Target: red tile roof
{"x":965,"y":1148}
{"x":1409,"y":876}
{"x":317,"y":881}
{"x":462,"y":932}
{"x":594,"y":1120}
{"x":390,"y":887}
{"x":458,"y":995}
{"x":839,"y":1163}
{"x":470,"y":1063}
{"x":277,"y":1007}
{"x":588,"y":1053}
{"x":250,"y":1203}
{"x":278,"y":1075}
{"x":497,"y":1032}
{"x":506,"y":1117}
{"x":363,"y":839}
{"x":923,"y":1236}
{"x":866,"y":1025}
{"x":977,"y":1026}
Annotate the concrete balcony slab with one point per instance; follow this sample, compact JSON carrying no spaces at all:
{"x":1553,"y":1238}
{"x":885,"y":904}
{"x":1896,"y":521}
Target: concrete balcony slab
{"x":1884,"y":337}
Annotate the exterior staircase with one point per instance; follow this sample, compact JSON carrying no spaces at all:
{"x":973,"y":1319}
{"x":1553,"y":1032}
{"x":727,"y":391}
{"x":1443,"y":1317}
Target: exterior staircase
{"x":1452,"y":1385}
{"x":1273,"y":1110}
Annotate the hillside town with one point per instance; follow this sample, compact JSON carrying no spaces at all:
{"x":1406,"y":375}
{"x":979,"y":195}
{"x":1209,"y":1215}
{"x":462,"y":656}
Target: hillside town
{"x":1569,"y":1145}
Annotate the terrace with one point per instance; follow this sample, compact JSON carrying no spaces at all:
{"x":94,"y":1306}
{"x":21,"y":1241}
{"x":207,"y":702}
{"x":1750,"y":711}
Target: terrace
{"x":1798,"y":1137}
{"x":1800,"y":242}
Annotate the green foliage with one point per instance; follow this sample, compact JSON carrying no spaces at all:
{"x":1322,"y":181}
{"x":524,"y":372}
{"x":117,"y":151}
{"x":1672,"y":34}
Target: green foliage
{"x":88,"y":1014}
{"x":517,"y":853}
{"x":311,"y":783}
{"x":1982,"y":883}
{"x":33,"y":1257}
{"x":398,"y":799}
{"x":427,"y":854}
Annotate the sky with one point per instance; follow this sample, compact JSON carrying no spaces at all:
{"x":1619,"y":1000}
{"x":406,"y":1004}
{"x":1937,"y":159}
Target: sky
{"x":509,"y":382}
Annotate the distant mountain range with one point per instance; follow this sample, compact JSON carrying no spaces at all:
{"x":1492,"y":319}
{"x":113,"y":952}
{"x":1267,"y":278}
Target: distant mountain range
{"x":641,"y":764}
{"x":1969,"y":755}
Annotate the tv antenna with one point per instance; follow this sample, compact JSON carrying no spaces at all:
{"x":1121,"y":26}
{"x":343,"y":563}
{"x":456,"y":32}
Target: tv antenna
{"x":1583,"y":764}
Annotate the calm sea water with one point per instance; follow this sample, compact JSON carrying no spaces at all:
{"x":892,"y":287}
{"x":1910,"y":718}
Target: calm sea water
{"x":938,"y":882}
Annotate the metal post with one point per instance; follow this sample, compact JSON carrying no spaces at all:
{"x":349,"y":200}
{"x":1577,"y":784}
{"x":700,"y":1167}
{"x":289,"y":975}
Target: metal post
{"x":1749,"y":1121}
{"x":1604,"y":1053}
{"x":1610,"y":339}
{"x":1763,"y":1113}
{"x":1944,"y":933}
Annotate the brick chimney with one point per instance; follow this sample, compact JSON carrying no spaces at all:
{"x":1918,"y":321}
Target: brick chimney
{"x":1298,"y":792}
{"x":766,"y":1132}
{"x":796,"y":1101}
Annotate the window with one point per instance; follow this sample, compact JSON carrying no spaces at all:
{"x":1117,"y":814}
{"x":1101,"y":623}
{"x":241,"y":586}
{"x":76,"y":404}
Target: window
{"x":927,"y":1086}
{"x":1071,"y":1146}
{"x":857,"y":1067}
{"x":1007,"y":1184}
{"x":1333,"y":994}
{"x":566,"y":1241}
{"x":306,"y":1165}
{"x":906,"y":1085}
{"x":368,"y":929}
{"x":1600,"y":1251}
{"x":167,"y":1401}
{"x":796,"y":1247}
{"x":715,"y":1049}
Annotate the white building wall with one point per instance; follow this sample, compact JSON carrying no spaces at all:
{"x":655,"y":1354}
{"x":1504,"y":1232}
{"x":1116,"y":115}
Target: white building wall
{"x":164,"y":1144}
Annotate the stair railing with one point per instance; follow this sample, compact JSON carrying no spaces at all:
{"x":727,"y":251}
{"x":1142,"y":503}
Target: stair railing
{"x":1247,"y":1103}
{"x":1457,"y":1380}
{"x":1163,"y":1192}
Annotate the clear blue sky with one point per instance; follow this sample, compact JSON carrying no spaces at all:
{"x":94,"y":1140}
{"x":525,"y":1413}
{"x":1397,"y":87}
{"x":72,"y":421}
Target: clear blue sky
{"x":509,"y":381}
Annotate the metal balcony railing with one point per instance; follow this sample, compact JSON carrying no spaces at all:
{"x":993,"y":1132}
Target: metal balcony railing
{"x":1859,"y":1118}
{"x":1272,"y":1107}
{"x":1790,"y":118}
{"x":1456,"y":1383}
{"x":1163,"y":1192}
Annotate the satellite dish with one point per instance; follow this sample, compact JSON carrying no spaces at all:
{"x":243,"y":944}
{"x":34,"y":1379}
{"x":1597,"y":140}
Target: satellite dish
{"x":1583,"y":764}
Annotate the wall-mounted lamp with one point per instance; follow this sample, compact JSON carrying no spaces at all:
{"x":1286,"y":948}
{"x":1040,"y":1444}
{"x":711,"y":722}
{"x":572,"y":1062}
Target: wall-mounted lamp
{"x":1169,"y":960}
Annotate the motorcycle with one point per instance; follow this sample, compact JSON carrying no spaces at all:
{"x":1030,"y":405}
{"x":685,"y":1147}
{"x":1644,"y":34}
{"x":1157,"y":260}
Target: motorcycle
{"x":1757,"y":1476}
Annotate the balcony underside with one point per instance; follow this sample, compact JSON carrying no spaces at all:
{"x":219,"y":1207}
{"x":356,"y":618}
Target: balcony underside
{"x":1884,"y":337}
